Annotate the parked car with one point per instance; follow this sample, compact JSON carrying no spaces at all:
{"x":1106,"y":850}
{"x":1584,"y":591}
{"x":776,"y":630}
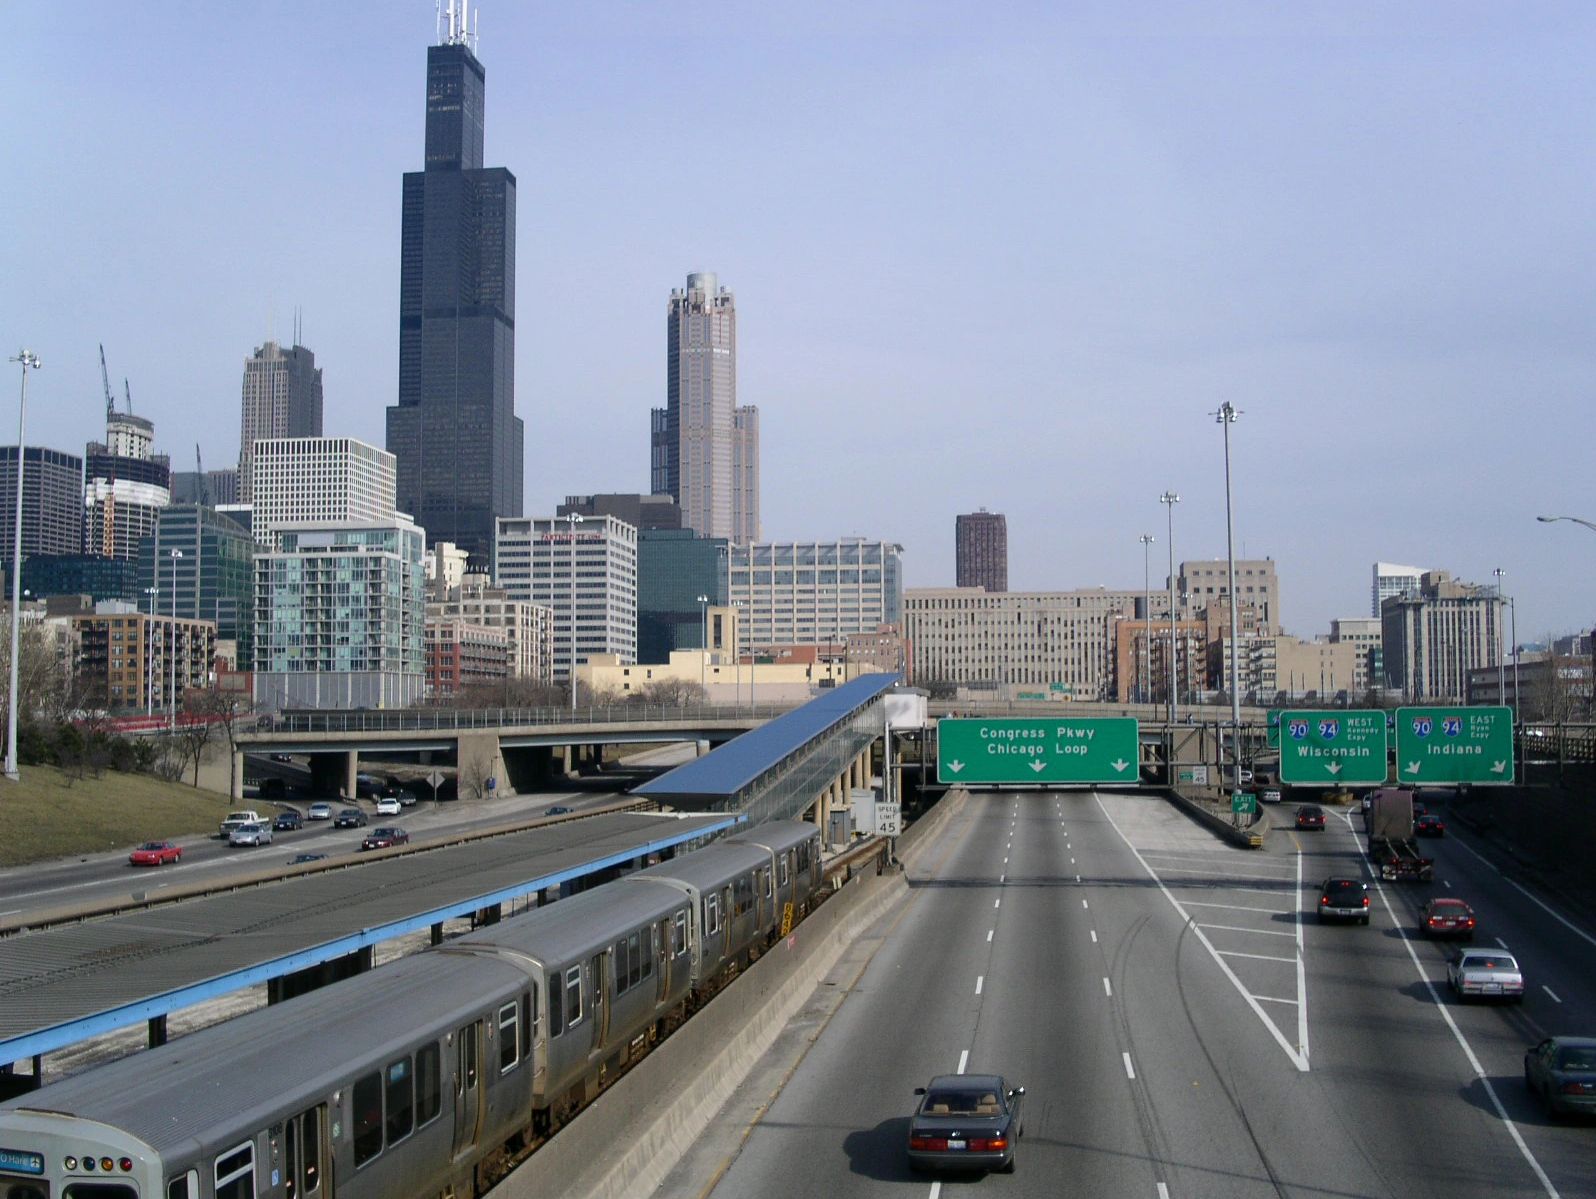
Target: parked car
{"x":288,"y":820}
{"x":388,"y":805}
{"x":349,"y":818}
{"x":299,"y":859}
{"x":1429,"y":825}
{"x":1344,"y":899}
{"x":1486,"y":974}
{"x":251,"y":834}
{"x":966,"y":1122}
{"x":155,"y":853}
{"x":1446,"y":917}
{"x":558,"y":809}
{"x":1310,"y":815}
{"x":1562,"y":1072}
{"x":384,"y":837}
{"x":319,"y":811}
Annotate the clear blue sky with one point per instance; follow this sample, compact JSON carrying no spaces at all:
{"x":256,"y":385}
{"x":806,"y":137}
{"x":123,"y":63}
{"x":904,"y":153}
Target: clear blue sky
{"x":1006,"y":255}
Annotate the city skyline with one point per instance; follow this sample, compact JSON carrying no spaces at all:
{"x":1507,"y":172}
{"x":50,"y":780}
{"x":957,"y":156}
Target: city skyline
{"x":1347,"y":265}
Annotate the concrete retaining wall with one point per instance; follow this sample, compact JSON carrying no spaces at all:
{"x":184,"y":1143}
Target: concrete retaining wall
{"x":629,"y":1138}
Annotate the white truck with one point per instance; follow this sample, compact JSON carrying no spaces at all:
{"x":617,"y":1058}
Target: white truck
{"x":246,"y":816}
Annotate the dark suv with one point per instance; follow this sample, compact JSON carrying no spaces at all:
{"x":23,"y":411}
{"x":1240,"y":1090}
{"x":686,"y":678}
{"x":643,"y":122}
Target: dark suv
{"x":1344,"y":899}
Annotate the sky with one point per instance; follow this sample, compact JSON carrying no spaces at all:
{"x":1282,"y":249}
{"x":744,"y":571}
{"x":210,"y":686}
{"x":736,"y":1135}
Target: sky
{"x":1006,"y":255}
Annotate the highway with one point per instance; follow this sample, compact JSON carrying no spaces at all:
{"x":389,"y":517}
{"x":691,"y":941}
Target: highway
{"x":1180,"y":1029}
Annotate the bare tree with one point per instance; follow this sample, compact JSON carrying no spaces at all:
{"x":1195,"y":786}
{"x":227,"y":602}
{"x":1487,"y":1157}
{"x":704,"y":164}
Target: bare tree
{"x":191,"y":739}
{"x":473,"y":775}
{"x":670,"y":693}
{"x":228,"y":713}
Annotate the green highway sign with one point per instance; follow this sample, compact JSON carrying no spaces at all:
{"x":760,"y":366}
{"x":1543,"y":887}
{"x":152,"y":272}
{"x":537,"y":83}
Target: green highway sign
{"x":1454,"y":745}
{"x":1050,"y":750}
{"x":1332,"y":747}
{"x":1243,"y":803}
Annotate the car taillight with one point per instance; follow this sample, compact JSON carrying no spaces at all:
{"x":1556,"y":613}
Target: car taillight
{"x":1573,"y":1088}
{"x":1324,"y":899}
{"x":1469,"y":923}
{"x":989,"y":1144}
{"x":928,"y":1144}
{"x":1365,"y":901}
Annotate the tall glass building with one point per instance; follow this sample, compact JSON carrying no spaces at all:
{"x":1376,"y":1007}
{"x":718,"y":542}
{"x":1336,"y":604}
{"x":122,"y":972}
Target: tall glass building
{"x":674,"y":568}
{"x":454,"y":432}
{"x":214,"y":577}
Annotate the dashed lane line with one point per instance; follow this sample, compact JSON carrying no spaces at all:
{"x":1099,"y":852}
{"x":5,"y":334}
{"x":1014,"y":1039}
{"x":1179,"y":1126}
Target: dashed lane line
{"x":980,"y":981}
{"x":964,"y":1058}
{"x":1130,"y":1070}
{"x":1107,"y":989}
{"x":1550,"y":992}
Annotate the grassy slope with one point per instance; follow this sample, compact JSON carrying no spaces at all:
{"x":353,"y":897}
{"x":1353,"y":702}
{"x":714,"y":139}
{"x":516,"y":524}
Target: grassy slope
{"x":51,"y":815}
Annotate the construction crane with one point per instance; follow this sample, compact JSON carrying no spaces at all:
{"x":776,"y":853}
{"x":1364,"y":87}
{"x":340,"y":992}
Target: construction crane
{"x":105,"y":380}
{"x":108,"y":519}
{"x":199,"y":468}
{"x":128,"y":392}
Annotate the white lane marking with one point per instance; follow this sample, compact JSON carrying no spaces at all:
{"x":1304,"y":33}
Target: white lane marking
{"x":1501,"y":942}
{"x":1003,"y":878}
{"x":1072,"y":861}
{"x":1005,"y":859}
{"x":1447,"y":883}
{"x":1108,"y":990}
{"x":1077,"y":878}
{"x":1468,"y":1050}
{"x":1220,"y":874}
{"x":989,"y":933}
{"x":1163,"y":1191}
{"x":1573,"y":928}
{"x":997,"y":903}
{"x":964,"y":1057}
{"x":1274,"y":999}
{"x":1084,"y":903}
{"x":1550,"y":992}
{"x":1302,"y":971}
{"x":936,"y":1189}
{"x":1258,"y":957}
{"x":1236,"y":928}
{"x":1130,"y":1070}
{"x":980,"y":981}
{"x":1233,"y":907}
{"x":1299,"y":1058}
{"x":1094,"y":936}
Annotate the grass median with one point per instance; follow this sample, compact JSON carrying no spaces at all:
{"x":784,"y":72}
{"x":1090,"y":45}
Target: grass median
{"x":51,"y":814}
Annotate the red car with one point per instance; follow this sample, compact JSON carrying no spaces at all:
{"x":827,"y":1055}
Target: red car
{"x":383,"y":838}
{"x":1310,"y":816}
{"x":1447,"y":918}
{"x":1429,"y":825}
{"x":155,"y":853}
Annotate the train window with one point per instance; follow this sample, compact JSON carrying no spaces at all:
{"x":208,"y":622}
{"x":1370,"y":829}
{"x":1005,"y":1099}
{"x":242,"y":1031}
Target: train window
{"x":509,"y":1037}
{"x":556,"y":1009}
{"x":712,"y":914}
{"x":429,"y":1084}
{"x":764,"y":875}
{"x":468,"y":1054}
{"x":235,"y":1173}
{"x":781,"y":870}
{"x":634,"y":965}
{"x":648,"y":951}
{"x":25,"y":1190}
{"x":573,"y":995}
{"x":367,"y":1102}
{"x":681,"y":932}
{"x":401,"y":1100}
{"x":185,"y":1187}
{"x":620,"y":967}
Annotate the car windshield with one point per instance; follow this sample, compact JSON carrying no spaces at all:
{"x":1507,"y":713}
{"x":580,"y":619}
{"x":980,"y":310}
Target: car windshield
{"x":152,"y":845}
{"x":1341,"y":884}
{"x":963,"y":1103}
{"x":1448,"y":907}
{"x":1577,"y":1059}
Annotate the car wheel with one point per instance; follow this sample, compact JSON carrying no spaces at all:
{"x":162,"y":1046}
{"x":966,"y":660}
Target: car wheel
{"x":1008,"y":1166}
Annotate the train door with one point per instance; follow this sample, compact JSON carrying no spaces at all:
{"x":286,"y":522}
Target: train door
{"x":467,"y":1087}
{"x":601,"y":1010}
{"x":664,"y":949}
{"x":305,"y":1154}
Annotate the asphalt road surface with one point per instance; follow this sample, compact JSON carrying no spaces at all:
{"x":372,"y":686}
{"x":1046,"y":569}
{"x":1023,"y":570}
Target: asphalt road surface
{"x":1182,"y":1024}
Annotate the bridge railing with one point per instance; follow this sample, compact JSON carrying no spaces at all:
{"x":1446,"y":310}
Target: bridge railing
{"x":451,"y":719}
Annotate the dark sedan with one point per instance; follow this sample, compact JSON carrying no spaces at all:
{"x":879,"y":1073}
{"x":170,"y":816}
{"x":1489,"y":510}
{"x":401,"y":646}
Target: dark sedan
{"x":1429,"y":825}
{"x":1561,"y":1071}
{"x":1310,"y":815}
{"x":383,"y":838}
{"x":1443,"y":917}
{"x":1344,"y":899}
{"x":288,"y":821}
{"x":966,"y":1122}
{"x":349,"y":818}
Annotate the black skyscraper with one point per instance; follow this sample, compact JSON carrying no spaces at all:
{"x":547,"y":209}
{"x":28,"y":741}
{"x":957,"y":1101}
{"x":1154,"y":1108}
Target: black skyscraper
{"x":454,"y":431}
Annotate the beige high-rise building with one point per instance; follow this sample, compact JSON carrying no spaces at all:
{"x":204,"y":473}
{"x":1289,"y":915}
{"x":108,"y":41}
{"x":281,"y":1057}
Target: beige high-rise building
{"x":1363,"y":634}
{"x":325,"y":480}
{"x":282,"y":398}
{"x":1432,"y":638}
{"x":1206,"y":583}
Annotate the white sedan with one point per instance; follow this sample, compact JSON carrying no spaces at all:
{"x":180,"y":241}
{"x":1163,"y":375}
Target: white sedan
{"x":1486,"y":974}
{"x":251,"y":834}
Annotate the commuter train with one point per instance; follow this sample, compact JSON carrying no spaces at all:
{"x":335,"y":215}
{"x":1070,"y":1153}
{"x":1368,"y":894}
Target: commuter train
{"x":426,"y":1077}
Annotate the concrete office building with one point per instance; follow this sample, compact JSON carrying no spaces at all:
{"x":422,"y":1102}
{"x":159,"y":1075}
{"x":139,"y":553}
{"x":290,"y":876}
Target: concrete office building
{"x":323,"y":480}
{"x":340,"y":609}
{"x":52,"y":502}
{"x":1054,"y":644}
{"x":212,"y":488}
{"x":585,"y":570}
{"x":214,"y":577}
{"x":704,"y":449}
{"x":809,"y":592}
{"x":125,"y":486}
{"x":1368,"y":663}
{"x":1433,"y":637}
{"x":1204,"y":585}
{"x":454,"y":433}
{"x":1391,"y":579}
{"x":981,"y":550}
{"x":528,"y":628}
{"x":282,"y":398}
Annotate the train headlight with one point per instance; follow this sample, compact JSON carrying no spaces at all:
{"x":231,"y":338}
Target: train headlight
{"x":70,"y":1163}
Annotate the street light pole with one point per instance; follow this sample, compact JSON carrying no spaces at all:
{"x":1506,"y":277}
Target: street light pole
{"x":1169,"y":499}
{"x":1226,"y":416}
{"x":575,"y":519}
{"x":1147,"y":540}
{"x":1501,"y":656}
{"x":28,"y":359}
{"x":1543,"y":519}
{"x":172,"y":699}
{"x":703,"y":644}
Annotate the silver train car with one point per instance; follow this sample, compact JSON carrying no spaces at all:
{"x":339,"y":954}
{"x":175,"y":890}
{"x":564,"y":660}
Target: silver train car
{"x":421,"y":1079}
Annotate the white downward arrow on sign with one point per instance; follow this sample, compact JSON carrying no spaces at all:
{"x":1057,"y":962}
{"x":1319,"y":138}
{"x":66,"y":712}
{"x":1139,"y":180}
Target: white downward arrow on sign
{"x":1038,"y":766}
{"x":955,"y":766}
{"x":1413,"y":767}
{"x":1119,"y":765}
{"x":1334,"y":768}
{"x":1498,"y":767}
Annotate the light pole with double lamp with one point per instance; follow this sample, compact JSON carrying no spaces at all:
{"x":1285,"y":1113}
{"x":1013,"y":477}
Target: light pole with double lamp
{"x":575,"y":518}
{"x":1169,"y":499}
{"x":29,"y":361}
{"x":1226,"y":416}
{"x":703,"y":644}
{"x":1147,"y":540}
{"x":172,"y":699}
{"x":1501,"y":657}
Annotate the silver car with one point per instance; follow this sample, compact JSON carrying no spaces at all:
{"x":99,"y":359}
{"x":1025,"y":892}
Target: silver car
{"x":251,"y":834}
{"x":1486,"y":974}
